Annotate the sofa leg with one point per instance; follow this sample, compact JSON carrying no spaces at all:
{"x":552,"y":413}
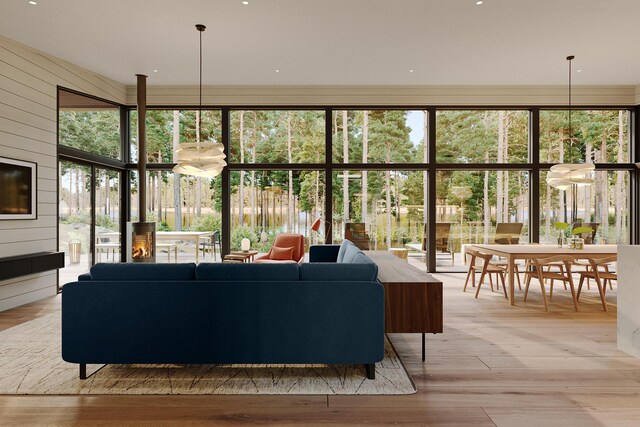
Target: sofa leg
{"x":371,"y":370}
{"x":83,"y":371}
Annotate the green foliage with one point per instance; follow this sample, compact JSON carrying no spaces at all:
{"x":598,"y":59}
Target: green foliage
{"x":580,"y":230}
{"x":561,"y":226}
{"x":210,"y":222}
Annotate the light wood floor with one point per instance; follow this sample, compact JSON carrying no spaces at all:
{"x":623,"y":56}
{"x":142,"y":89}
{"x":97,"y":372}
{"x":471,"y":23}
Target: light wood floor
{"x":494,"y":365}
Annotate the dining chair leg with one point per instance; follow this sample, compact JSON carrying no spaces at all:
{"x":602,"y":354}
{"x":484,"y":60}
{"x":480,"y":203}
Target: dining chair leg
{"x":573,"y":292}
{"x":517,"y":271}
{"x":467,"y":280}
{"x":544,"y":294}
{"x":551,"y":291}
{"x":526,"y":288}
{"x":480,"y":283}
{"x":580,"y":287}
{"x":504,"y":288}
{"x":491,"y":282}
{"x":601,"y":290}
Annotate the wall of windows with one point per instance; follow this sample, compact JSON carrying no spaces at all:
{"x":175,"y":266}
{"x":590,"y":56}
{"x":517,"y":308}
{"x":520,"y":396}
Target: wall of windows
{"x":391,"y":170}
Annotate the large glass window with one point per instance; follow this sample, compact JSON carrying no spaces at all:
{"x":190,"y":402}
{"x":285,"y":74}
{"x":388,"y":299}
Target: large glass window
{"x":602,"y":206}
{"x":379,"y":136}
{"x":482,"y":136}
{"x":277,"y":136}
{"x":473,"y":203}
{"x":89,"y":124}
{"x":599,"y":136}
{"x":266,"y":203}
{"x":168,"y":128}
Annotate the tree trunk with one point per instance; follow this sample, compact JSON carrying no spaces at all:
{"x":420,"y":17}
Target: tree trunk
{"x":562,"y":206}
{"x":620,"y":205}
{"x":241,"y":185}
{"x":425,"y":174}
{"x":77,"y":189}
{"x":177,"y":199}
{"x":345,"y":156}
{"x":486,"y":207}
{"x":604,"y":182}
{"x":290,"y":158}
{"x":500,"y":174}
{"x":365,"y":156}
{"x":387,"y":188}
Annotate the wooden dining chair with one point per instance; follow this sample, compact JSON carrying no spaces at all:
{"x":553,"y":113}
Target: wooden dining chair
{"x":543,"y":270}
{"x":600,"y":272}
{"x":486,"y":267}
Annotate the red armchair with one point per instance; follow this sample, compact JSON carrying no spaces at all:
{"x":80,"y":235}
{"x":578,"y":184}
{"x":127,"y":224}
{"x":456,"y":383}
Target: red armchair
{"x":287,"y":247}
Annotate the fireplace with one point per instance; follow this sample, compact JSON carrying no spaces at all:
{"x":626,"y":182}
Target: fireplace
{"x":141,"y":238}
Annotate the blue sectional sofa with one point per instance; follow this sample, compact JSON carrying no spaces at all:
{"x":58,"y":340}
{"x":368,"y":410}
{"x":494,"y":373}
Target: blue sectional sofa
{"x":224,"y":313}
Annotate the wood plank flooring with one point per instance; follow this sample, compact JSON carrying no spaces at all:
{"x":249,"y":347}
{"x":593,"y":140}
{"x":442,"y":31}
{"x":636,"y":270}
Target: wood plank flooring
{"x":493,"y":365}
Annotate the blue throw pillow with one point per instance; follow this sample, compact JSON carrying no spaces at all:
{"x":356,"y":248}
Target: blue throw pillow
{"x":161,"y":272}
{"x":247,"y":272}
{"x":343,"y":248}
{"x":330,"y":271}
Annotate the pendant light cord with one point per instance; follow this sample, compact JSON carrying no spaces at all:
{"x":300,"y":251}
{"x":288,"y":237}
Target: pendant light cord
{"x":201,"y":29}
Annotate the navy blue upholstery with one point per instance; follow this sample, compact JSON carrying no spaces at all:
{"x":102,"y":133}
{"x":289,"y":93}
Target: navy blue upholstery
{"x":233,"y":313}
{"x":255,"y":272}
{"x":323,"y":253}
{"x":140,"y":271}
{"x":85,"y":277}
{"x":343,"y":249}
{"x":335,"y":272}
{"x":223,"y":322}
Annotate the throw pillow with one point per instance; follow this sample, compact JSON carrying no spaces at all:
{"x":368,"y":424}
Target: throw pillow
{"x":282,"y":254}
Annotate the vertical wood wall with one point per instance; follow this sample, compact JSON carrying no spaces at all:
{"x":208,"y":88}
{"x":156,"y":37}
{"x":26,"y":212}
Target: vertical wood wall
{"x":28,"y":99}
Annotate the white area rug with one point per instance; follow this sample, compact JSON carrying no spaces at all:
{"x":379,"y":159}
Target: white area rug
{"x":31,"y":363}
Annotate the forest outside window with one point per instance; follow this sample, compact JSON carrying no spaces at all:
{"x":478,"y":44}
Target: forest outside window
{"x":599,"y":136}
{"x":277,"y":136}
{"x":89,"y":124}
{"x":379,"y":136}
{"x":166,"y":129}
{"x":482,"y":136}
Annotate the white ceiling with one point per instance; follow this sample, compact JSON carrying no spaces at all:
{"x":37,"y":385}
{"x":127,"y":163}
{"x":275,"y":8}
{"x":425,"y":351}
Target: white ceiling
{"x":338,"y":42}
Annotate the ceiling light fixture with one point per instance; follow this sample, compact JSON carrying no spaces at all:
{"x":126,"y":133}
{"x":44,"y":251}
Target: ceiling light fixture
{"x":33,"y":2}
{"x":155,"y":71}
{"x":570,"y":175}
{"x":411,"y":71}
{"x":200,"y":158}
{"x":245,"y":2}
{"x":579,"y":71}
{"x":277,"y":71}
{"x":479,"y":2}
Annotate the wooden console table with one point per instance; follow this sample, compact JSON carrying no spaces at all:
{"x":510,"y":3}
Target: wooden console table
{"x":412,"y":298}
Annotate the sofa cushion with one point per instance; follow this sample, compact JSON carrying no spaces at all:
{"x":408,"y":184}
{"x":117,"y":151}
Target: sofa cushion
{"x":281,"y":254}
{"x":331,"y":271}
{"x":280,"y":271}
{"x":343,"y":248}
{"x":350,"y":253}
{"x":148,"y":272}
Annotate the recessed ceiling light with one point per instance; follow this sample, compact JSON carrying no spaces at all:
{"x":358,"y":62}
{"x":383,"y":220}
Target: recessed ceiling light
{"x":245,"y":2}
{"x":579,"y":71}
{"x":155,"y":71}
{"x":277,"y":71}
{"x":411,"y":71}
{"x":33,"y":2}
{"x":479,"y":2}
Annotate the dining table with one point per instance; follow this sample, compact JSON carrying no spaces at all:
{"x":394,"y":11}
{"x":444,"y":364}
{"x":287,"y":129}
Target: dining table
{"x":512,"y":253}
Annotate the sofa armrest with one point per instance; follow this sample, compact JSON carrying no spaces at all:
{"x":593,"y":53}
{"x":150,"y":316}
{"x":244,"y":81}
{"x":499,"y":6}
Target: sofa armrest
{"x":86,"y":277}
{"x":323,"y":253}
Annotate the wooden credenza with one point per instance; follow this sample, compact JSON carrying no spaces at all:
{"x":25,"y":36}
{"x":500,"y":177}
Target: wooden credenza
{"x":412,"y":298}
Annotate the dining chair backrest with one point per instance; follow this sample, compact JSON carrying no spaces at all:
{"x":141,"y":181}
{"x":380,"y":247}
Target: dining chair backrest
{"x":566,"y":260}
{"x":356,"y":232}
{"x":508,"y":233}
{"x":597,"y":262}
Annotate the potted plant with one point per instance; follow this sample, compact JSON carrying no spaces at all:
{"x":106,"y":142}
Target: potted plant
{"x":562,"y":228}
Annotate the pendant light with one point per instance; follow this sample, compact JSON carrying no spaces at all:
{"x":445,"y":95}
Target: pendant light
{"x":200,"y":158}
{"x":570,"y":175}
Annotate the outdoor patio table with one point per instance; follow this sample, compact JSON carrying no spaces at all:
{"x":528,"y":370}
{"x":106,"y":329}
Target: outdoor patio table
{"x":528,"y":251}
